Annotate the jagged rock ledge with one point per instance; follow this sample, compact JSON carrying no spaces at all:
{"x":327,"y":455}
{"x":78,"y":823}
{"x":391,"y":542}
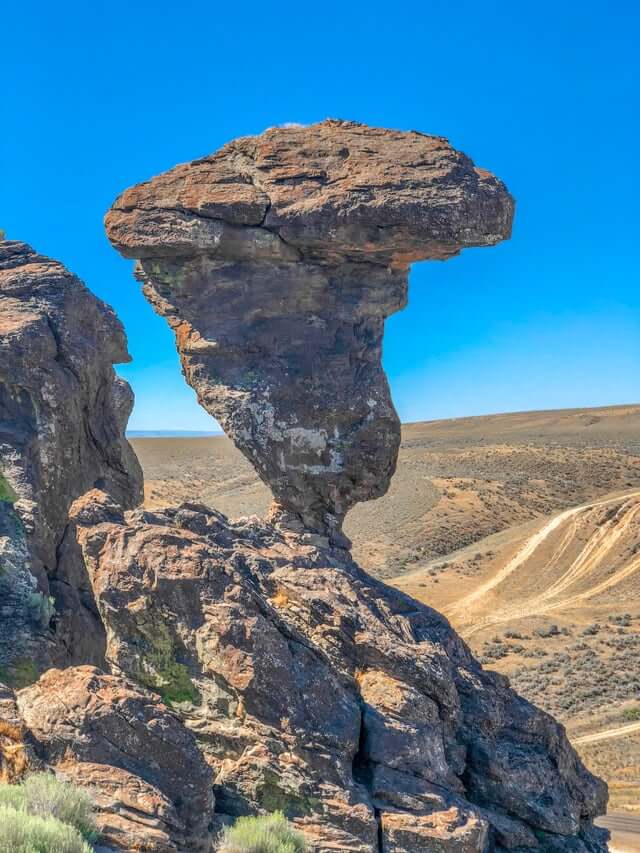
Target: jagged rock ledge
{"x":145,"y":773}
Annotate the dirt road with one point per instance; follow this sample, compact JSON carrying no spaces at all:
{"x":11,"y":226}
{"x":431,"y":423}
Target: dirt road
{"x":607,"y":734}
{"x":555,"y":597}
{"x":625,"y":831}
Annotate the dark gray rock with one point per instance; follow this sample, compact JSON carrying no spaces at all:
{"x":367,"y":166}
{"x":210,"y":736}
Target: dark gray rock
{"x":63,"y":413}
{"x":313,"y":688}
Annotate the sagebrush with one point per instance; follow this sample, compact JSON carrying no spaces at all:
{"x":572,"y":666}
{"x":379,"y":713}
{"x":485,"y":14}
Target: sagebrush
{"x":42,"y":795}
{"x":268,"y":834}
{"x":21,"y":832}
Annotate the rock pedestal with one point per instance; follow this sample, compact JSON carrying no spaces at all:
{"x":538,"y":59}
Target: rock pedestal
{"x":256,"y":658}
{"x":276,"y":261}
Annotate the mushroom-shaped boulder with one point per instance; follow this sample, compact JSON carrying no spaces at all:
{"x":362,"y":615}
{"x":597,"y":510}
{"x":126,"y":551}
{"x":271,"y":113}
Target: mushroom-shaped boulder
{"x":276,"y":261}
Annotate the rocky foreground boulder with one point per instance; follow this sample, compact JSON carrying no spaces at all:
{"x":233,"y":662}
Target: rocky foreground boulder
{"x":151,"y":786}
{"x":63,"y":413}
{"x":276,"y":261}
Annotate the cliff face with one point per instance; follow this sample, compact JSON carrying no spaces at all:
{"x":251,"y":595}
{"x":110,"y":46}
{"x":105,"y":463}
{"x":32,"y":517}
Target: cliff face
{"x":63,"y":414}
{"x":276,"y":261}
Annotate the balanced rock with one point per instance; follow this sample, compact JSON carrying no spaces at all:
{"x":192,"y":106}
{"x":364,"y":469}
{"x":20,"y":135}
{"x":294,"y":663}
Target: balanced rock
{"x":150,"y":784}
{"x":63,"y":413}
{"x":315,"y":689}
{"x":276,"y":261}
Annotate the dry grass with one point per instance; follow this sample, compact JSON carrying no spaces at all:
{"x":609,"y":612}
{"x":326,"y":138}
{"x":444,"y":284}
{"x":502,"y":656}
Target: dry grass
{"x":280,"y":599}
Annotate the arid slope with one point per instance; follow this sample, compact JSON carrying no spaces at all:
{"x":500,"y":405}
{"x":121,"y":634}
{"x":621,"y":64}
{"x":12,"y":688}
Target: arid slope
{"x":457,"y":481}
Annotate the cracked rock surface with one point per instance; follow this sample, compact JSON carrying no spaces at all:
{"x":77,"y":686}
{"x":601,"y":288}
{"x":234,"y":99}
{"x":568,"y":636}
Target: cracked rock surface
{"x":312,"y":688}
{"x":150,"y":784}
{"x":276,"y":261}
{"x":63,"y":413}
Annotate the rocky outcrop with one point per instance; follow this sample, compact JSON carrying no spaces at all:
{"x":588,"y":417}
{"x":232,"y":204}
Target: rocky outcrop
{"x":309,"y":686}
{"x":63,"y":413}
{"x":151,"y":787}
{"x":276,"y":261}
{"x":256,"y":655}
{"x":315,"y":689}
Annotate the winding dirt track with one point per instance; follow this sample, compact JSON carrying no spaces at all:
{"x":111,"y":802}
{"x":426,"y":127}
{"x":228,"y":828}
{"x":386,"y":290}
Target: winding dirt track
{"x":557,"y":595}
{"x":607,"y":734}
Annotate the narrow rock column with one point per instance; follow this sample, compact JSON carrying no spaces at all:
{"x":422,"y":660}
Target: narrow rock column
{"x":276,"y":261}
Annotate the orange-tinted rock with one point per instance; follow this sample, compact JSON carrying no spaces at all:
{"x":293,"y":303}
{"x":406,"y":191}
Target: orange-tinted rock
{"x":151,"y":786}
{"x":447,"y":831}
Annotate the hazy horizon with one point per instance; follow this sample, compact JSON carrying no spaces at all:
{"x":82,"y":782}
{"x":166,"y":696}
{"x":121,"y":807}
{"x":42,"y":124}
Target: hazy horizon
{"x":184,"y":433}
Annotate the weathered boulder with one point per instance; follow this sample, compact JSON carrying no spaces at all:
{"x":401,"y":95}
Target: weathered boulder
{"x":63,"y":413}
{"x":151,"y":786}
{"x":276,"y":261}
{"x":313,"y":688}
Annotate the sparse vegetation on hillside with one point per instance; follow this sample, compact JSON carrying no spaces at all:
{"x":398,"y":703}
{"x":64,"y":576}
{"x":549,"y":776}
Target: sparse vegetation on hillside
{"x":267,"y":834}
{"x":457,"y":481}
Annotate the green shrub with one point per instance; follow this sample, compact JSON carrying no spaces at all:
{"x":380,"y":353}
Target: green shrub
{"x":2,"y":234}
{"x":21,"y":832}
{"x":12,"y":796}
{"x":270,"y":834}
{"x":43,"y":795}
{"x":7,"y":493}
{"x":631,"y":714}
{"x":21,"y":672}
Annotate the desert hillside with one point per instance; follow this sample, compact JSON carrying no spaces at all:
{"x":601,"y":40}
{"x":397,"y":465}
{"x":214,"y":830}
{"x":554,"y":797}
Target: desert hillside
{"x":523,"y":528}
{"x":457,"y":481}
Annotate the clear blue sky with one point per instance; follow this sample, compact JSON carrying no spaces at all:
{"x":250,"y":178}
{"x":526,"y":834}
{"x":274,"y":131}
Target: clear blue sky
{"x":98,"y":96}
